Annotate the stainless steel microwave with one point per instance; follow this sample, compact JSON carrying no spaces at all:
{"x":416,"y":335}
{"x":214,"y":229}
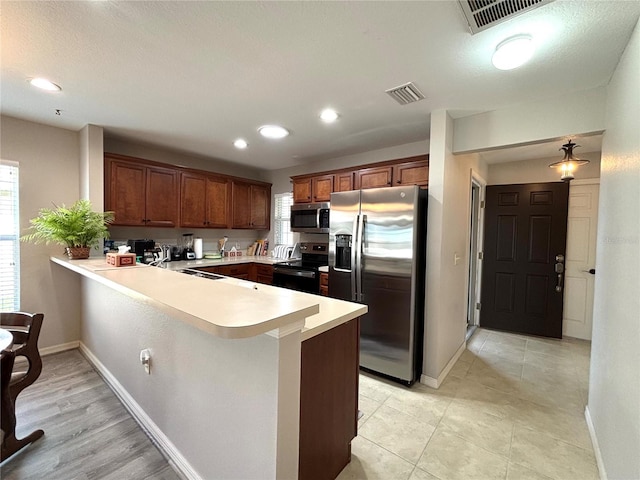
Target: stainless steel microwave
{"x":310,"y":218}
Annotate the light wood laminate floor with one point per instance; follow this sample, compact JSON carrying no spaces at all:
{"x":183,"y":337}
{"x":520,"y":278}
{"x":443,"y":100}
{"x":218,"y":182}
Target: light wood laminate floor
{"x":88,"y":432}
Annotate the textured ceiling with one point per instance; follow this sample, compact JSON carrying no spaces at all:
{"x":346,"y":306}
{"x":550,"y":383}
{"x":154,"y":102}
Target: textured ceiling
{"x":193,"y":76}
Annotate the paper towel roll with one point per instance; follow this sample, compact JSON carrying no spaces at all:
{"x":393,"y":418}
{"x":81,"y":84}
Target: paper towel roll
{"x":197,"y":247}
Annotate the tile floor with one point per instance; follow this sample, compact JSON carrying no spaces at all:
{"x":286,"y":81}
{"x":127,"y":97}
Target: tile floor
{"x":511,"y":408}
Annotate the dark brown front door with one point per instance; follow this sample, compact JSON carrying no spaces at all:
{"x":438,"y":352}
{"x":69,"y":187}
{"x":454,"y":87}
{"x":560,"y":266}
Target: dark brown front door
{"x":525,"y":231}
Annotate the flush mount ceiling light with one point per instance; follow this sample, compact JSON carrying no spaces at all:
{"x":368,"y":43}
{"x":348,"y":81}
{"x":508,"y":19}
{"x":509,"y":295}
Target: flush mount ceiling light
{"x":45,"y":84}
{"x":273,"y":131}
{"x":513,"y":52}
{"x":328,"y":115}
{"x":240,"y":144}
{"x":569,"y":163}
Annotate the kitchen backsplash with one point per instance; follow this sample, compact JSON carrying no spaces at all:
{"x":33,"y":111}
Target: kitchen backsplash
{"x":241,"y":239}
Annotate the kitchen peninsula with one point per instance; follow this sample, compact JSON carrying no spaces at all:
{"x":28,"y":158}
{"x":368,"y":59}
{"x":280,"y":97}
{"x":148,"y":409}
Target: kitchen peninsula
{"x":241,"y":373}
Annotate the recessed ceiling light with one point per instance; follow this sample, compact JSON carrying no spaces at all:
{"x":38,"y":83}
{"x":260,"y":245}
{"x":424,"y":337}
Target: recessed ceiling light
{"x":513,"y":52}
{"x":241,"y":144}
{"x":328,"y":115}
{"x":45,"y":84}
{"x":273,"y":131}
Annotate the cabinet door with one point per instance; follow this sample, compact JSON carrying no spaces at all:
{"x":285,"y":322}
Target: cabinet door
{"x":218,"y":199}
{"x":241,"y":204}
{"x":193,"y":193}
{"x":343,"y":182}
{"x":374,"y":177}
{"x":411,"y":173}
{"x":322,"y":188}
{"x":260,"y":207}
{"x":127,"y":183}
{"x":328,"y":400}
{"x":302,"y":190}
{"x":162,"y":197}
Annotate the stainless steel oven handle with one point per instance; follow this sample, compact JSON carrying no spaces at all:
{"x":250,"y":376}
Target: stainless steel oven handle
{"x":353,"y":258}
{"x":294,"y":273}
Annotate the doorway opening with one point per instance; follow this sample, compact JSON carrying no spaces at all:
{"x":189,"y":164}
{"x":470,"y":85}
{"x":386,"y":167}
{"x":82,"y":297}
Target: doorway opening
{"x":475,"y":253}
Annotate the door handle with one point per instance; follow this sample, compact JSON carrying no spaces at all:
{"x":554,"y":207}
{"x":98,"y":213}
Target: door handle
{"x":361,"y":225}
{"x":559,"y":269}
{"x":592,"y":271}
{"x":354,"y":258}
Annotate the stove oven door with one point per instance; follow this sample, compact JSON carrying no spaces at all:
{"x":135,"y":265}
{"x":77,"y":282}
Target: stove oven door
{"x":296,"y":279}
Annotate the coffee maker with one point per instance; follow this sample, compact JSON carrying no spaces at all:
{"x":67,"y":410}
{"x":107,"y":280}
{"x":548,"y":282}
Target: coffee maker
{"x":188,"y":252}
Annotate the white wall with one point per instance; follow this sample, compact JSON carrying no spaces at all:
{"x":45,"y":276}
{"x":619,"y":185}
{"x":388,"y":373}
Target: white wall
{"x":92,"y":165}
{"x":49,"y":173}
{"x":218,"y":401}
{"x":614,"y":384}
{"x":553,"y":118}
{"x":537,"y":170}
{"x":447,"y":237}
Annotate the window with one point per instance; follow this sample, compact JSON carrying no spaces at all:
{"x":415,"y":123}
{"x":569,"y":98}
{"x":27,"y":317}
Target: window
{"x":283,"y":234}
{"x":9,"y":238}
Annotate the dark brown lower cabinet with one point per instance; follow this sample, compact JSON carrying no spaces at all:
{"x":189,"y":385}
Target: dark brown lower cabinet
{"x":328,"y":401}
{"x":253,"y":272}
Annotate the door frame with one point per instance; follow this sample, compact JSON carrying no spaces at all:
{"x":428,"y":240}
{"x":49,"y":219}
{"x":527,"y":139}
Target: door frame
{"x":475,"y":181}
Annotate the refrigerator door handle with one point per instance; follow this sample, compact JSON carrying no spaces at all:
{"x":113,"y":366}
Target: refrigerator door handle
{"x":354,"y":265}
{"x":359,"y":246}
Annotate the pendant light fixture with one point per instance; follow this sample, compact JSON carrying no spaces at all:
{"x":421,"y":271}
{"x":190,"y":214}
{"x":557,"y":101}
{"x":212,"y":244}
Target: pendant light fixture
{"x":569,"y":163}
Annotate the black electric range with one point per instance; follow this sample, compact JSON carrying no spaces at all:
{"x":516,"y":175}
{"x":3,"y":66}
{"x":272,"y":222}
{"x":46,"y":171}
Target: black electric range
{"x":303,"y":274}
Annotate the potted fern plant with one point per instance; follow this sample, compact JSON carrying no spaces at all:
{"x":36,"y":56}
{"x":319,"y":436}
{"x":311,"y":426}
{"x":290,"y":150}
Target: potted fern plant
{"x":78,"y":228}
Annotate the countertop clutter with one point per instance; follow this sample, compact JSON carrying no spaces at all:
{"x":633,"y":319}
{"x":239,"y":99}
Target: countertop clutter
{"x":229,"y":307}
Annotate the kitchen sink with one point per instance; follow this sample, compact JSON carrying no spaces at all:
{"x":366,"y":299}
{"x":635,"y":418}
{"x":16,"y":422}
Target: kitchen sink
{"x":201,"y":274}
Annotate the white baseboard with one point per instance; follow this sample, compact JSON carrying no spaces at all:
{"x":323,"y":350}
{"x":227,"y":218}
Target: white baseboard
{"x":436,"y":382}
{"x":596,"y":446}
{"x":168,"y":449}
{"x":63,"y":347}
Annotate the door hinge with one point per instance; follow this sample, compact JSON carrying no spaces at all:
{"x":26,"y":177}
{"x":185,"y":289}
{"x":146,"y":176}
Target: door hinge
{"x":481,"y":203}
{"x":480,"y":255}
{"x":478,"y":305}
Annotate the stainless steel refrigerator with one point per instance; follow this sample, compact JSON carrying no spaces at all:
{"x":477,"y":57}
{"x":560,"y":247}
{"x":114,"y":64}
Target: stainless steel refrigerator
{"x":377,"y":257}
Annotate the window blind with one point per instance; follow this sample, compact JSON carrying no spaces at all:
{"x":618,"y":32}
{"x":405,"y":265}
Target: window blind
{"x":9,"y":238}
{"x":283,"y":234}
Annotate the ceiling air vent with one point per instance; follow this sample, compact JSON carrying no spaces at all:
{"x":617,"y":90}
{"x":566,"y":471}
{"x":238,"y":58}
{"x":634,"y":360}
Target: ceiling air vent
{"x":482,"y":14}
{"x":407,"y":93}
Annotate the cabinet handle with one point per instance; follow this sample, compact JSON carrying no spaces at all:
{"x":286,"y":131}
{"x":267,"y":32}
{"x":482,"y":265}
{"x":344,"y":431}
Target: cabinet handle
{"x":397,"y":181}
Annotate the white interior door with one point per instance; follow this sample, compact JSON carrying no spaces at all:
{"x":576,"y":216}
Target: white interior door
{"x":580,"y":259}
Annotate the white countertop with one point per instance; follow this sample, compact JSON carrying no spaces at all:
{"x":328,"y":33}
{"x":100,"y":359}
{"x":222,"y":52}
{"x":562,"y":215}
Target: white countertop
{"x":228,"y":308}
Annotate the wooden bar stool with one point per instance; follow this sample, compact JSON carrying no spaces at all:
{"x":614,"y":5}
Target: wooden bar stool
{"x":25,"y":328}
